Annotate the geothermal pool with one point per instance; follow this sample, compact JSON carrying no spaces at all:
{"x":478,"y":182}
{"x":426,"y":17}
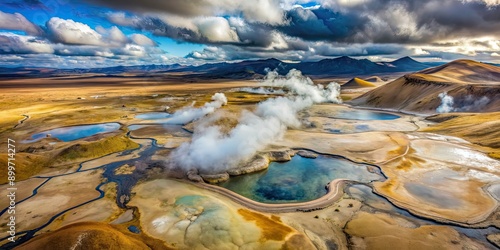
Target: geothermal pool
{"x":75,"y":132}
{"x":153,"y":116}
{"x":299,"y":180}
{"x":364,"y":115}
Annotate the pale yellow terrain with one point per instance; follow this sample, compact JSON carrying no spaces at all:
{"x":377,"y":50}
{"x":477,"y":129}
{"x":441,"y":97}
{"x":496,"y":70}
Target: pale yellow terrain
{"x":177,"y":214}
{"x":464,"y":80}
{"x":369,"y":231}
{"x":358,"y":83}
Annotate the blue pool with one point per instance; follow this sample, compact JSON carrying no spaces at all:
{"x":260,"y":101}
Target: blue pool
{"x":301,"y":179}
{"x":75,"y":132}
{"x":364,"y":115}
{"x":153,"y":116}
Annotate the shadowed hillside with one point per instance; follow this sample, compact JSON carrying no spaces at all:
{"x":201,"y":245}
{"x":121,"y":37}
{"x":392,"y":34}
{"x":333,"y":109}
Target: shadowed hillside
{"x":465,"y":85}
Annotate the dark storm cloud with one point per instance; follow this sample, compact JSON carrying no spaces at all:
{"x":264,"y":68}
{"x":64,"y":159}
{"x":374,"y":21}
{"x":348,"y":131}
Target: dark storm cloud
{"x":202,"y":30}
{"x":430,"y":19}
{"x":262,"y":11}
{"x":389,"y":21}
{"x":178,"y":7}
{"x":236,"y":30}
{"x":375,"y":21}
{"x":315,"y":51}
{"x":321,"y":24}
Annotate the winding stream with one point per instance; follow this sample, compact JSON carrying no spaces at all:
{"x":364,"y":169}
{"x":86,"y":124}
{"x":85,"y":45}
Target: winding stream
{"x":124,"y":184}
{"x":259,"y":181}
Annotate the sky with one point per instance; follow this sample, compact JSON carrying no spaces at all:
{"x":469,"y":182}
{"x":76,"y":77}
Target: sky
{"x":102,"y":33}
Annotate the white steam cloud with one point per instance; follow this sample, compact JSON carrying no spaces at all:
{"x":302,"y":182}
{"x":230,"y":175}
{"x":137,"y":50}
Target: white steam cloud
{"x":212,"y":151}
{"x":469,"y":103}
{"x":304,"y":86}
{"x":446,"y":103}
{"x":262,"y":91}
{"x":186,"y":115}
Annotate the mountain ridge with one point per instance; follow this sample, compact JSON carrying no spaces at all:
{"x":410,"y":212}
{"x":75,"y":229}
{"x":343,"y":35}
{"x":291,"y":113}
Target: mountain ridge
{"x":244,"y":69}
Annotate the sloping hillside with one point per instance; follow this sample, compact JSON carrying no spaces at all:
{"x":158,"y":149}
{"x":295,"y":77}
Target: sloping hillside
{"x":464,"y":85}
{"x":375,"y":79}
{"x":92,"y":235}
{"x":358,"y":83}
{"x":462,"y":71}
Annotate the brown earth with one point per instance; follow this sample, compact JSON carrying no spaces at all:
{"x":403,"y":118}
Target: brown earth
{"x":465,"y":80}
{"x":92,"y":235}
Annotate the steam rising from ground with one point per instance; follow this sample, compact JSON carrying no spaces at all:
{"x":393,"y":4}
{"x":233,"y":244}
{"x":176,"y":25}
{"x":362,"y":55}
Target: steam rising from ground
{"x":446,"y":103}
{"x":262,"y":91}
{"x":469,"y":103}
{"x":212,"y":151}
{"x":190,"y":114}
{"x":301,"y":85}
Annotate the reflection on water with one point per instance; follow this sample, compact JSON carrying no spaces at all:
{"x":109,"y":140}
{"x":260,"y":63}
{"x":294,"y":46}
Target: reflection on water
{"x":440,"y":198}
{"x":364,"y":115}
{"x":153,"y":116}
{"x":299,"y":180}
{"x":75,"y":132}
{"x":453,"y":153}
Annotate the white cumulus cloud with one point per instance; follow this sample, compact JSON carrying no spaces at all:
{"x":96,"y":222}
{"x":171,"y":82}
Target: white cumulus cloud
{"x":68,"y":31}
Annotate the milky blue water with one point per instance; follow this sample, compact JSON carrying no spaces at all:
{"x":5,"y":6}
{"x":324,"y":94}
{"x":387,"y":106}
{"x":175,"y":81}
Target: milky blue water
{"x":153,"y":116}
{"x":298,"y":180}
{"x":75,"y":132}
{"x":365,"y":115}
{"x":136,"y":127}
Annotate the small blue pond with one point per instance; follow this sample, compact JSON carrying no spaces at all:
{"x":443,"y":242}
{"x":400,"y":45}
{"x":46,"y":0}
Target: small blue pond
{"x":75,"y":132}
{"x":134,"y":229}
{"x":153,"y":116}
{"x":298,"y":180}
{"x":365,"y":115}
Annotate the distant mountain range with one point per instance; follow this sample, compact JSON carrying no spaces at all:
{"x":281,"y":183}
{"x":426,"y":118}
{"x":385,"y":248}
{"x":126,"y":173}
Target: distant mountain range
{"x":240,"y":70}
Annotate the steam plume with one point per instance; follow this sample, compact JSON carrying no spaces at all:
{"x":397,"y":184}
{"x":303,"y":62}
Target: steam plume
{"x":469,"y":103}
{"x":301,"y":85}
{"x":212,"y":151}
{"x":446,"y":103}
{"x":190,"y":114}
{"x":262,"y":91}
